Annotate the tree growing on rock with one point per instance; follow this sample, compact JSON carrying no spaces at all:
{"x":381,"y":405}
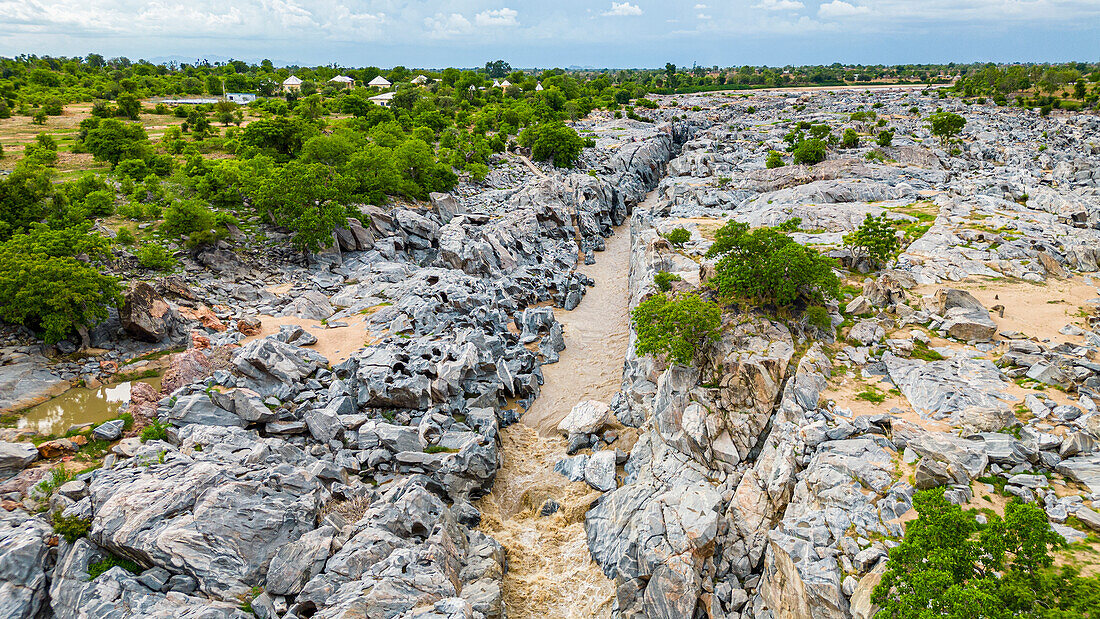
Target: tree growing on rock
{"x":766,"y":265}
{"x":675,"y":327}
{"x":946,"y":125}
{"x":874,"y":240}
{"x":809,"y":152}
{"x":950,"y":565}
{"x":553,"y":142}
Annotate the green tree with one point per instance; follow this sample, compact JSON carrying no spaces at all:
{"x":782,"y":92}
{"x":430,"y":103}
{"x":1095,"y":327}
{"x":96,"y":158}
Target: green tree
{"x":308,"y":198}
{"x":678,"y":236}
{"x":767,"y":265}
{"x":875,"y":239}
{"x":946,"y":125}
{"x":23,"y":196}
{"x":676,"y":327}
{"x":43,"y":285}
{"x":129,"y":106}
{"x":553,"y":142}
{"x":885,"y":138}
{"x":154,"y":256}
{"x":774,"y":159}
{"x":949,"y":565}
{"x":850,"y":139}
{"x":112,"y":141}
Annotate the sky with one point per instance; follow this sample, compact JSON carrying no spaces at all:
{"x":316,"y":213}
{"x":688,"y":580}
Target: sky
{"x":558,"y":33}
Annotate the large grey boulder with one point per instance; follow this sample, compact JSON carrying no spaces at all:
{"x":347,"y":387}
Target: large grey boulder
{"x":270,"y":360}
{"x":118,"y":594}
{"x":294,"y":564}
{"x":310,"y":305}
{"x":29,"y":382}
{"x":23,"y":562}
{"x":15,"y":457}
{"x":587,"y":417}
{"x":947,"y":387}
{"x":218,"y":522}
{"x":198,"y":408}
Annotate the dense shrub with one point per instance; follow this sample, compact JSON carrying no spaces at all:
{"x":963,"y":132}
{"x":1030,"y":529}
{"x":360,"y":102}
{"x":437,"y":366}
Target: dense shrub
{"x":809,"y":152}
{"x":125,"y":237}
{"x":155,"y":431}
{"x":675,"y":327}
{"x":774,"y":160}
{"x":97,"y":568}
{"x":553,"y":142}
{"x":850,"y":139}
{"x":71,"y":528}
{"x":44,"y":285}
{"x":885,"y":138}
{"x":766,"y":265}
{"x":155,"y":256}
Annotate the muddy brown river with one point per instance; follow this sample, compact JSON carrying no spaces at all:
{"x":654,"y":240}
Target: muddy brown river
{"x":550,"y":572}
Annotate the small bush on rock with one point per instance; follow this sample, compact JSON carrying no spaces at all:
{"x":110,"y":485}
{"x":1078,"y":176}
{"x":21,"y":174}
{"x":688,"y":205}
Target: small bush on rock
{"x":663,"y":280}
{"x":97,"y":568}
{"x":774,"y":160}
{"x":155,"y":431}
{"x":675,"y":327}
{"x":71,"y":528}
{"x":678,"y":237}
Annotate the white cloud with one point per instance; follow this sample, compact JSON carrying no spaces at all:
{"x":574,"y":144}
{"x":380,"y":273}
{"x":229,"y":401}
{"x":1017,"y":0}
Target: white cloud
{"x":840,"y":8}
{"x":443,"y":26}
{"x":779,"y":5}
{"x":623,"y":9}
{"x":702,"y":16}
{"x":497,"y":17}
{"x":699,"y":7}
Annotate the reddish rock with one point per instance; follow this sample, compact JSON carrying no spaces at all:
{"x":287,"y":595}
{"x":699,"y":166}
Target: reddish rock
{"x":249,"y":326}
{"x":186,"y":367}
{"x":79,"y":440}
{"x":143,"y":393}
{"x":199,"y":341}
{"x":24,"y":480}
{"x":56,"y":448}
{"x":9,"y":505}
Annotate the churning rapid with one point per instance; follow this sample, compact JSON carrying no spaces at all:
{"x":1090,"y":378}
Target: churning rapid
{"x":550,"y":572}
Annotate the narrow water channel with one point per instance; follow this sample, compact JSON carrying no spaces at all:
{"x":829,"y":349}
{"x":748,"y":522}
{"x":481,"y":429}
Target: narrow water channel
{"x":550,"y":572}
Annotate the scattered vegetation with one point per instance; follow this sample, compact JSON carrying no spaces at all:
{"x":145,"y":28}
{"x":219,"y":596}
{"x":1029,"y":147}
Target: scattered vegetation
{"x":663,"y":280}
{"x":97,"y":568}
{"x":678,"y":236}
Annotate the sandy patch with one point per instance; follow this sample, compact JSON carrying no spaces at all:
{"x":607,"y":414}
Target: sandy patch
{"x":1037,"y":309}
{"x":336,"y":343}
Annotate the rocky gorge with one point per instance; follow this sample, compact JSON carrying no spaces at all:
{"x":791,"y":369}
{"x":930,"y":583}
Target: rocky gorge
{"x":333,"y":432}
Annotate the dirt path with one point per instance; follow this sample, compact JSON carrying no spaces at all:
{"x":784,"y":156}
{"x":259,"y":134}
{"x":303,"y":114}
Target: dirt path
{"x":550,"y":572}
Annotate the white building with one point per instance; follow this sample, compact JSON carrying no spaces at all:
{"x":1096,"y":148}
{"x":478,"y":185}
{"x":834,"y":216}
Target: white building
{"x":420,"y":79}
{"x":379,"y":82}
{"x":342,"y":81}
{"x":383,"y":99}
{"x":538,"y":87}
{"x":240,"y":98}
{"x":292,"y":83}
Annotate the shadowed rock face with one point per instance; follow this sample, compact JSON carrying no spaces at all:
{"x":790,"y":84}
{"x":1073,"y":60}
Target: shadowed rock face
{"x":145,"y":314}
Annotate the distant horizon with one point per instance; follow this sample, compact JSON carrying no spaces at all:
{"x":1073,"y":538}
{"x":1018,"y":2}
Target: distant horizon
{"x":606,"y":34}
{"x":280,"y":64}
